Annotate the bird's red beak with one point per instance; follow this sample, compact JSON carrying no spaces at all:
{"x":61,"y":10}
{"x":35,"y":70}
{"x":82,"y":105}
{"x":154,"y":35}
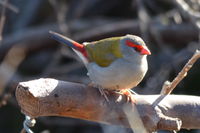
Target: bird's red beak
{"x":145,"y":51}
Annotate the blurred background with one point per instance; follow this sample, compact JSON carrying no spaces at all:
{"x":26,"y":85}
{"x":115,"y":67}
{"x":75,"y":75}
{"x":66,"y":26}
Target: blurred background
{"x":170,"y":29}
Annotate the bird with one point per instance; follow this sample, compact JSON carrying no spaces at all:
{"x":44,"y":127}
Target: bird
{"x":113,"y":64}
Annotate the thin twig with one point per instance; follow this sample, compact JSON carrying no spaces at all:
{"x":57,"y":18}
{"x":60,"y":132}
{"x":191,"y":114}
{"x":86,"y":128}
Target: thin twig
{"x":3,"y":18}
{"x":168,"y":87}
{"x":187,"y":10}
{"x":160,"y":75}
{"x":144,"y":19}
{"x":10,"y":6}
{"x":60,"y":11}
{"x":9,"y":65}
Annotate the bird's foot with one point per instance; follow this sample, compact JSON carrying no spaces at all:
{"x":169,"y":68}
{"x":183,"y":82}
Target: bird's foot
{"x":128,"y":93}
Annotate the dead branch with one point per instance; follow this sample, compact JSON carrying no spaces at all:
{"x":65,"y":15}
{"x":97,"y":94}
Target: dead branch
{"x":34,"y":39}
{"x":3,"y":18}
{"x":50,"y":97}
{"x":184,"y":32}
{"x":169,"y":87}
{"x":38,"y":36}
{"x":187,"y":10}
{"x":9,"y":6}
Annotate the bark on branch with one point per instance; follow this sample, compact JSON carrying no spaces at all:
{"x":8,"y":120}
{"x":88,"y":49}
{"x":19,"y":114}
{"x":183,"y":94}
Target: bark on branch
{"x":51,"y":97}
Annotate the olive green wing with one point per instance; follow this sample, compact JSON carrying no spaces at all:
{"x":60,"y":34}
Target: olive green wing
{"x":104,"y":52}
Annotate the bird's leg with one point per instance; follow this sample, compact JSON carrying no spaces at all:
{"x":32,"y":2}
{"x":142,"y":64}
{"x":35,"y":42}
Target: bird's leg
{"x":103,"y":93}
{"x":101,"y":90}
{"x":129,"y":95}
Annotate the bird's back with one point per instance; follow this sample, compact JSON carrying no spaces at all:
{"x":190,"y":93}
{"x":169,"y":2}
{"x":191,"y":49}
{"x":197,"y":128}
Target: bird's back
{"x":104,"y":52}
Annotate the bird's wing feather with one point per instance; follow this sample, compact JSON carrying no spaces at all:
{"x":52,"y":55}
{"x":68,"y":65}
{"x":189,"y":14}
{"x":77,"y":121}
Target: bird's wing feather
{"x":81,"y":56}
{"x":104,"y":52}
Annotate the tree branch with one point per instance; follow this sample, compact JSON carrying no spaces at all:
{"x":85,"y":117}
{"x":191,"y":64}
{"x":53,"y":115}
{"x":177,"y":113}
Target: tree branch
{"x":50,"y":97}
{"x":168,"y":87}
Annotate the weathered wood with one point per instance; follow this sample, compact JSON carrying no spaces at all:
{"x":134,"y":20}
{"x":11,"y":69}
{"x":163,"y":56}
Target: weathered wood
{"x":50,"y":97}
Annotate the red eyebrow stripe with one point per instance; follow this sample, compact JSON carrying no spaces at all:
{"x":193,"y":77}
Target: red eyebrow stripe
{"x":131,"y":44}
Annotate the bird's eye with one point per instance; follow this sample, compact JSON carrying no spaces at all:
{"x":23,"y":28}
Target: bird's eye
{"x":135,"y":48}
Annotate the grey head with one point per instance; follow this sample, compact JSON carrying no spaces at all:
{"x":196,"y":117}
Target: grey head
{"x":133,"y":47}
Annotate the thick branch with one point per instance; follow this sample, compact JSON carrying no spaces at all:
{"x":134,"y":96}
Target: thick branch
{"x":50,"y":97}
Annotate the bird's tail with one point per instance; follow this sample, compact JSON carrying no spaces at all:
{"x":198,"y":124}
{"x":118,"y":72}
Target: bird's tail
{"x":77,"y":47}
